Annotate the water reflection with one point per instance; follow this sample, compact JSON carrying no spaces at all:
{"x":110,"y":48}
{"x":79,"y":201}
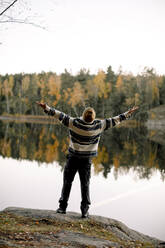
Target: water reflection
{"x":137,"y":203}
{"x":132,"y":155}
{"x":120,"y":148}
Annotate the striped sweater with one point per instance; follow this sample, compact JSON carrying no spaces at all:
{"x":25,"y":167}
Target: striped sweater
{"x":84,"y":137}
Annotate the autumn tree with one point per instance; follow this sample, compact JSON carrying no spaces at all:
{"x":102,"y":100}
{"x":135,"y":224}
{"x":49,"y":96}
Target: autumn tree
{"x":7,"y":91}
{"x":75,"y":96}
{"x":54,"y":87}
{"x":119,"y":83}
{"x":103,"y":88}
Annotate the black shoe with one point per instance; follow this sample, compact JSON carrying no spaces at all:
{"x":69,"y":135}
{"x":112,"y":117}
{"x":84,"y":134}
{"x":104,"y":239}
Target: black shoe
{"x":61,"y":211}
{"x":85,"y":215}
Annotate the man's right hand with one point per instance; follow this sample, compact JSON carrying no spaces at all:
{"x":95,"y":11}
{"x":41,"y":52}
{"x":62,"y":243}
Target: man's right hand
{"x":42,"y":105}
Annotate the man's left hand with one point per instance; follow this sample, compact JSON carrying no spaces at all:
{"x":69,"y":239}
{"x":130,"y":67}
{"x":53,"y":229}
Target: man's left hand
{"x":130,"y":111}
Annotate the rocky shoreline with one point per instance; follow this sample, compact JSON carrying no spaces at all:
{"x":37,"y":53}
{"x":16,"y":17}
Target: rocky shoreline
{"x":23,"y":227}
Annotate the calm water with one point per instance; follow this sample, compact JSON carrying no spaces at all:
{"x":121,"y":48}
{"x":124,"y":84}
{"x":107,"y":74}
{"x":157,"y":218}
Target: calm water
{"x":127,"y":180}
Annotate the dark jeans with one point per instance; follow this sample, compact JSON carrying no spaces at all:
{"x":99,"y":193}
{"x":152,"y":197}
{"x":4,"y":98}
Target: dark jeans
{"x":83,"y":167}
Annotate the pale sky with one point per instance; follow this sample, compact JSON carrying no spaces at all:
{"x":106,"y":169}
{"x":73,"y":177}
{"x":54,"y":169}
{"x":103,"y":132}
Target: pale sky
{"x":90,"y":34}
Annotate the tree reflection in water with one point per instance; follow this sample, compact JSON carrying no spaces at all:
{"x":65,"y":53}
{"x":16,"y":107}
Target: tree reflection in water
{"x":120,"y":148}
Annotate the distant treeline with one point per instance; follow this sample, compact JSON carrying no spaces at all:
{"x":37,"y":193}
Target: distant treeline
{"x":108,"y":92}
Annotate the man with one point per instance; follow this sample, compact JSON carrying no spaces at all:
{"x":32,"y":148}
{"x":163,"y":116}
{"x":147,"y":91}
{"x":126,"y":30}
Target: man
{"x":84,"y":135}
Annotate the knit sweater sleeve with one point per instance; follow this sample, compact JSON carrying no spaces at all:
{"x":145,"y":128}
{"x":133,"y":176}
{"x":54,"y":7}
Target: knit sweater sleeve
{"x":111,"y":122}
{"x":63,"y":118}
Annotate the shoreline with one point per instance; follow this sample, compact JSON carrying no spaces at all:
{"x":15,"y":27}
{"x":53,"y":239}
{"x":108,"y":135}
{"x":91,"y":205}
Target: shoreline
{"x":29,"y":119}
{"x":44,"y":119}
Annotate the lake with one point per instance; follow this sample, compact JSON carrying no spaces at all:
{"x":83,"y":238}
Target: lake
{"x":127,"y":181}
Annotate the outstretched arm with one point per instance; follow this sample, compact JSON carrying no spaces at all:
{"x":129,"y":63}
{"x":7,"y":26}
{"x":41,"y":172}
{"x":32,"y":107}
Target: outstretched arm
{"x":111,"y":122}
{"x":62,"y":117}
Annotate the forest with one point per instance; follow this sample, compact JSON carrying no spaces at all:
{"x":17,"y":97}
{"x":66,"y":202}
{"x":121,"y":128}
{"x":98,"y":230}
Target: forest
{"x":108,"y":92}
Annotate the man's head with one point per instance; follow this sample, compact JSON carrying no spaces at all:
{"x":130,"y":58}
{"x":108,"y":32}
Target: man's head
{"x":89,"y":114}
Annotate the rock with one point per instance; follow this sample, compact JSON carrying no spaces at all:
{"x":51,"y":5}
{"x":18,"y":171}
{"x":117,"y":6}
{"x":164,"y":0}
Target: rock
{"x":6,"y":244}
{"x":122,"y":231}
{"x":119,"y":232}
{"x":81,"y":240}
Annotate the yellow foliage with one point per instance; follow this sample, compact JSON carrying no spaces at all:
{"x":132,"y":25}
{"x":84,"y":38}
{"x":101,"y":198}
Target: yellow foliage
{"x":43,"y":87}
{"x":39,"y":153}
{"x":25,"y":83}
{"x":42,"y":133}
{"x":66,"y":94}
{"x":76,"y":95}
{"x":131,"y":148}
{"x":116,"y":161}
{"x":65,"y":143}
{"x":11,"y":82}
{"x":153,"y":115}
{"x":91,"y":89}
{"x":53,"y":136}
{"x":119,"y":83}
{"x":137,"y":99}
{"x":102,"y":157}
{"x":54,"y":86}
{"x":134,"y":150}
{"x":103,"y":88}
{"x":6,"y":148}
{"x":127,"y":145}
{"x":152,"y":133}
{"x":160,"y":80}
{"x":8,"y":86}
{"x":41,"y":84}
{"x":130,"y":101}
{"x":157,"y":165}
{"x":52,"y":152}
{"x":152,"y":157}
{"x":23,"y":152}
{"x":26,"y":100}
